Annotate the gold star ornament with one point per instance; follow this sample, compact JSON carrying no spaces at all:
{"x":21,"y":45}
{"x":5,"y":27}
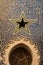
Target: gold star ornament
{"x":21,"y":23}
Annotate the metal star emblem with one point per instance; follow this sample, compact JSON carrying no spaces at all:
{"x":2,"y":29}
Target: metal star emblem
{"x":22,"y":22}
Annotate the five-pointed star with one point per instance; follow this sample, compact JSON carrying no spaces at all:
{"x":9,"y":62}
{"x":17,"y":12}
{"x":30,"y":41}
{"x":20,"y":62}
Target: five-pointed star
{"x":21,"y":22}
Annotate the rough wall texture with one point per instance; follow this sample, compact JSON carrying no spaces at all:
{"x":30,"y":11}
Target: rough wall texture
{"x":11,"y":9}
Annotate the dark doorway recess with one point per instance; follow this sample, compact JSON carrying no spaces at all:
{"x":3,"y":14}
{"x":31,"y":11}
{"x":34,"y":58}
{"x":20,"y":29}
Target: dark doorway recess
{"x":20,"y":56}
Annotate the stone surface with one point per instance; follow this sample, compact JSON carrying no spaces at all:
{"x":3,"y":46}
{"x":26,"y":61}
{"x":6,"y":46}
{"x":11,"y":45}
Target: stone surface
{"x":12,"y":9}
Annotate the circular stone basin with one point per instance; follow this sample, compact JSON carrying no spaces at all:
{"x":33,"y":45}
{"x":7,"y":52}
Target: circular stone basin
{"x":20,"y":56}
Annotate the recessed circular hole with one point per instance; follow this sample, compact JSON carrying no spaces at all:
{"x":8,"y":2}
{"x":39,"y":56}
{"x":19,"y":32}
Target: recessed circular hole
{"x":19,"y":55}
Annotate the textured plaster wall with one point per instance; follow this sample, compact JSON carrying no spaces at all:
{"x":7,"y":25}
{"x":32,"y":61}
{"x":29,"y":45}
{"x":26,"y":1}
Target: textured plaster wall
{"x":12,"y":9}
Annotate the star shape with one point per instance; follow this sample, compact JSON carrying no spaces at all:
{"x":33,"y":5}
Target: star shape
{"x":21,"y":23}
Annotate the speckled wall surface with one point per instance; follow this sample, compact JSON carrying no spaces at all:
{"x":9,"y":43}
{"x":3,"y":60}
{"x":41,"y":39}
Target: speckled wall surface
{"x":11,"y":9}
